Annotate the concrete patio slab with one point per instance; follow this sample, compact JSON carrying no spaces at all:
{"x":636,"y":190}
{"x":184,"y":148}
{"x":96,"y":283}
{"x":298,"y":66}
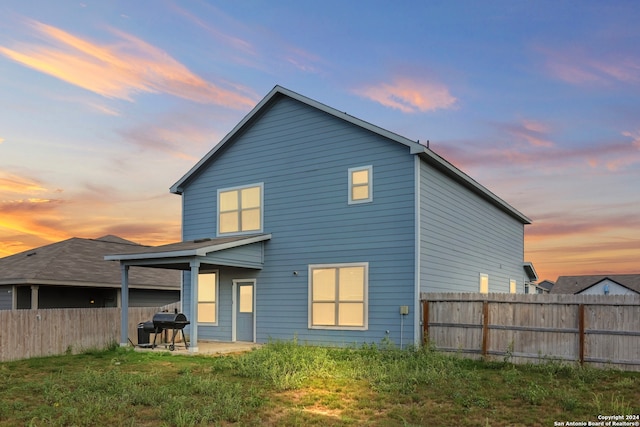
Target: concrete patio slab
{"x":207,"y":348}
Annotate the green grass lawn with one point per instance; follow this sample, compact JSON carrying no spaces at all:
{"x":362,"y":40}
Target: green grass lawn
{"x":286,"y":384}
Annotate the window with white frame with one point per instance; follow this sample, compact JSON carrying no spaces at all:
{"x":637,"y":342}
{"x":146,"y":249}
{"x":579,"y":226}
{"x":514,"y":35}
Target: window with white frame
{"x":240,"y":209}
{"x":207,"y":298}
{"x":338,"y":296}
{"x":361,"y":184}
{"x":513,"y":286}
{"x":484,"y":283}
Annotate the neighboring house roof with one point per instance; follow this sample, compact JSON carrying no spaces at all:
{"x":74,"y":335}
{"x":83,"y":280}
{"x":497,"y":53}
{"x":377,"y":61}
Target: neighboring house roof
{"x":415,"y":148}
{"x":576,"y":284}
{"x":531,"y":272}
{"x":546,"y":285}
{"x":80,"y":262}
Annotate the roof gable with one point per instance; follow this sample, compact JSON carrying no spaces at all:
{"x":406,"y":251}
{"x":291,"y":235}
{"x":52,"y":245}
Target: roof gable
{"x":415,"y":148}
{"x":576,"y":284}
{"x":269,"y":99}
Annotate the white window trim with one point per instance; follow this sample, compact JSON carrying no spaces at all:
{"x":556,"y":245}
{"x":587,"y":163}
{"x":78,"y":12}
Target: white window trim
{"x":365,"y":296}
{"x":483,"y":275}
{"x":217,"y":273}
{"x":240,"y":187}
{"x":349,"y":173}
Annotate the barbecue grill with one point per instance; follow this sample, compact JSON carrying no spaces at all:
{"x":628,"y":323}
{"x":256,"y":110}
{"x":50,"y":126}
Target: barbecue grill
{"x":165,"y":321}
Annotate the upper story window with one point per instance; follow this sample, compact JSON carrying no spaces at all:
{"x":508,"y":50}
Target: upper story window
{"x":240,"y":209}
{"x":361,"y":184}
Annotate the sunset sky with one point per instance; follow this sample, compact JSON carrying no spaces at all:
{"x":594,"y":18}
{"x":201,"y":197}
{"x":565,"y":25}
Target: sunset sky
{"x":105,"y":104}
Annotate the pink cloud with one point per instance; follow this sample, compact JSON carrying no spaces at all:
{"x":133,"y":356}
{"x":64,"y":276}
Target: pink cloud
{"x":257,"y":47}
{"x":580,"y":67}
{"x":236,"y":43}
{"x":410,"y":95}
{"x":167,"y":133}
{"x":631,"y":155}
{"x":530,"y":131}
{"x":536,"y":149}
{"x":567,"y":227}
{"x":120,"y":70}
{"x":635,"y":136}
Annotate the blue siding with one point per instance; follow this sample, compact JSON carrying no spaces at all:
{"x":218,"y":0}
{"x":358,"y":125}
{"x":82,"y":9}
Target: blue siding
{"x":462,"y":236}
{"x":250,"y":256}
{"x":302,"y":155}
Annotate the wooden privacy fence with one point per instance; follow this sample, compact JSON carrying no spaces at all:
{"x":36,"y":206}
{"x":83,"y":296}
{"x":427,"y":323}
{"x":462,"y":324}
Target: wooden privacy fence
{"x":47,"y":332}
{"x":599,"y":330}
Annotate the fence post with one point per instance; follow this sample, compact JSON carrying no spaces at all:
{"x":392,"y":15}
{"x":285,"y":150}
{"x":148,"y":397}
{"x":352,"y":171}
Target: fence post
{"x":485,"y":327}
{"x":581,"y":333}
{"x":425,"y":322}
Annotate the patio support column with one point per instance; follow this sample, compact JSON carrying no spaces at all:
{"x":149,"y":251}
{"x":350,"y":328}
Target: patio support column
{"x":34,"y":297}
{"x":195,"y":271}
{"x":124,"y":306}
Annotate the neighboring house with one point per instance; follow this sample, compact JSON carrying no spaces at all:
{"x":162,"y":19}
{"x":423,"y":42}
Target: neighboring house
{"x":543,"y":287}
{"x":73,"y":274}
{"x":307,"y":222}
{"x":609,"y":284}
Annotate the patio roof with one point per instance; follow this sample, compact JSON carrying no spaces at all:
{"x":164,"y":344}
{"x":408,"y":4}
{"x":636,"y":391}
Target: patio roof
{"x":234,"y":251}
{"x":246,"y":251}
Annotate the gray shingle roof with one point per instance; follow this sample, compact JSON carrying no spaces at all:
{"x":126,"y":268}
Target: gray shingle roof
{"x":189,"y":247}
{"x":546,"y":284}
{"x":80,"y":262}
{"x":575,"y":284}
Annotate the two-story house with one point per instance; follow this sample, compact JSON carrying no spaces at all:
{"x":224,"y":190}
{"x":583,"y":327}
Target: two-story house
{"x":307,"y":222}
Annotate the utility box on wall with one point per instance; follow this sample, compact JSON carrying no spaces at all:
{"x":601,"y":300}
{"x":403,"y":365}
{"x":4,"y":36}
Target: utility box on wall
{"x":404,"y":309}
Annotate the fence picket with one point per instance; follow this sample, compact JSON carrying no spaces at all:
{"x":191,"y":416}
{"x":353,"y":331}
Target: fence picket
{"x":591,"y":329}
{"x":34,"y":333}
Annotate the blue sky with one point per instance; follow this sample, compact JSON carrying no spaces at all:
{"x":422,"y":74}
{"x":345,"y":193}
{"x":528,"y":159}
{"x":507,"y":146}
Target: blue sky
{"x":104,"y":105}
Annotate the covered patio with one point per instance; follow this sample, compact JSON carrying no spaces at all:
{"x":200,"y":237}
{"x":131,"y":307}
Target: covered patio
{"x":246,"y":251}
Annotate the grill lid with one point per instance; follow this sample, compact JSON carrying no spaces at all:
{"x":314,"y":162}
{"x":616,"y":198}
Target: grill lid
{"x":166,"y":320}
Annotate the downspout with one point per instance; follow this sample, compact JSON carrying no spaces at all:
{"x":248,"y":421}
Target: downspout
{"x":417,"y":261}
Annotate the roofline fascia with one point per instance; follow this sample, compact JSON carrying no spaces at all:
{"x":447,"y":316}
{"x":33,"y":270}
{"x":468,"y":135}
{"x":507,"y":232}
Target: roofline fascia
{"x":145,"y":255}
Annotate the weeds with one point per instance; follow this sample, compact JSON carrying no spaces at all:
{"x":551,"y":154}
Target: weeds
{"x":617,"y":405}
{"x":284,"y":383}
